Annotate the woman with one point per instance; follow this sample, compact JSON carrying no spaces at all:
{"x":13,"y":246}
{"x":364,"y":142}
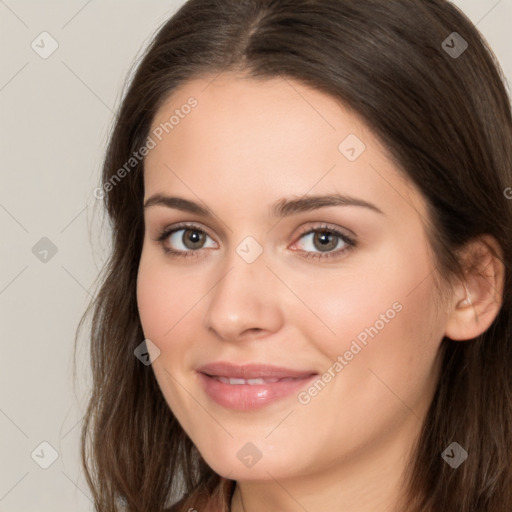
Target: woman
{"x":308,"y":300}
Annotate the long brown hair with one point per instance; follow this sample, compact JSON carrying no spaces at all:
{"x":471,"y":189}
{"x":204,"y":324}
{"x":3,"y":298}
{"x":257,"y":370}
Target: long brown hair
{"x":445,"y":119}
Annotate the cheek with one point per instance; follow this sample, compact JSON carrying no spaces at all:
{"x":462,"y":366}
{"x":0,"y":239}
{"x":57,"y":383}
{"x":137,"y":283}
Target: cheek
{"x":164,"y":297}
{"x":169,"y":302}
{"x":165,"y":304}
{"x":390,"y":287}
{"x":388,"y":370}
{"x":384,"y":324}
{"x":152,"y":301}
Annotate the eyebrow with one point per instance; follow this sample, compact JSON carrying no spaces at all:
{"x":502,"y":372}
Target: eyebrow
{"x":281,"y":208}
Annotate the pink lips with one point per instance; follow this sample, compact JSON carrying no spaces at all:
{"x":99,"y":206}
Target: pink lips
{"x":250,"y":386}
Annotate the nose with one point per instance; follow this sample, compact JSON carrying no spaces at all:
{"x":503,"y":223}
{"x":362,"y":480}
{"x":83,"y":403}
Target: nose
{"x":245,"y":302}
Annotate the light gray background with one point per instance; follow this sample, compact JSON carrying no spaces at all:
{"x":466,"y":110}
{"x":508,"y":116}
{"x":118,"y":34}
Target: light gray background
{"x":55,"y":117}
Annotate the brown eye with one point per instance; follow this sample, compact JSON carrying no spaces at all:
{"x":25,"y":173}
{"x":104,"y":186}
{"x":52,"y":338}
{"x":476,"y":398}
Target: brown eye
{"x":193,"y":238}
{"x":325,"y":240}
{"x":185,"y":240}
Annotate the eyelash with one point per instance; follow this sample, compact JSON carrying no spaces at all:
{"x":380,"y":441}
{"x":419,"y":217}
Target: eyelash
{"x":351,"y":244}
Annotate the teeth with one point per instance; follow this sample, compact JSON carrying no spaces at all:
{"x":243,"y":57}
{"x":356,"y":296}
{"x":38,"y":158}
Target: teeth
{"x":255,"y":381}
{"x":236,"y":381}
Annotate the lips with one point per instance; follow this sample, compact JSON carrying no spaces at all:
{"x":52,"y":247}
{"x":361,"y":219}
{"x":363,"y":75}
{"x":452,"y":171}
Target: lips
{"x":252,"y":371}
{"x":251,"y":386}
{"x":251,"y":382}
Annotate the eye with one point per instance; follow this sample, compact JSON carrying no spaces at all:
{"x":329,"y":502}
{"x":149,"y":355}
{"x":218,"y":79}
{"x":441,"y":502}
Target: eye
{"x":185,"y":240}
{"x":324,"y":242}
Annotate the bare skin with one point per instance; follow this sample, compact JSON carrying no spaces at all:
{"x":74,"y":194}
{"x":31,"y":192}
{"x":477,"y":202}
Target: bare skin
{"x":245,"y":146}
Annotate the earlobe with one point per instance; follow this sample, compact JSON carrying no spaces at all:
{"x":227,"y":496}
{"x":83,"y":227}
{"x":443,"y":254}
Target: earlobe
{"x":477,"y":300}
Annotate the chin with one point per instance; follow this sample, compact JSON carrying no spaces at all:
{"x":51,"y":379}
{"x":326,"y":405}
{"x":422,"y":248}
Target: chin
{"x":251,"y":461}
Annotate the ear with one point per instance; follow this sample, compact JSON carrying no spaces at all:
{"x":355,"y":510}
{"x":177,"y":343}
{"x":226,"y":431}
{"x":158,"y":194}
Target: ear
{"x":476,"y":300}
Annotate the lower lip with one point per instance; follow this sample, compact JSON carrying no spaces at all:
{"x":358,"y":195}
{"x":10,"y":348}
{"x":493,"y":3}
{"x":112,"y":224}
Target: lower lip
{"x":247,"y":397}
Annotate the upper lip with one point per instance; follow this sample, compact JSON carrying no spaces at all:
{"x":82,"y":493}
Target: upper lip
{"x":252,"y":371}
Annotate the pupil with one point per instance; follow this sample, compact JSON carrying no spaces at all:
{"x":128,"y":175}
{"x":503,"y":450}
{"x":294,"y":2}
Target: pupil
{"x":326,"y":241}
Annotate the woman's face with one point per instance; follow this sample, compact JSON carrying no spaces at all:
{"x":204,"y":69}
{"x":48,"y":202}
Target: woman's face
{"x":300,"y":251}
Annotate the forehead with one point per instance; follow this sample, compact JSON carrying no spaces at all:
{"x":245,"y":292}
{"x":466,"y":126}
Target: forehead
{"x":228,"y":100}
{"x":241,"y":132}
